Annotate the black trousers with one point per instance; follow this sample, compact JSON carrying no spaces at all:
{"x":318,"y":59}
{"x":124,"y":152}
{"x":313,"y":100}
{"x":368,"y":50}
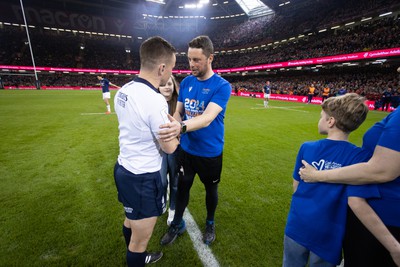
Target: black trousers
{"x":361,"y":248}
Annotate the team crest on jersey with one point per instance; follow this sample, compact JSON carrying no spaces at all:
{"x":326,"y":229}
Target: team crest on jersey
{"x":326,"y":165}
{"x":205,"y":91}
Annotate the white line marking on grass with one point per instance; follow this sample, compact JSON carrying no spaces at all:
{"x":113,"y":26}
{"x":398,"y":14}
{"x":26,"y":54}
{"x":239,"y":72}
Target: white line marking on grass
{"x":286,"y":108}
{"x":299,"y":106}
{"x":205,"y":254}
{"x":98,"y":113}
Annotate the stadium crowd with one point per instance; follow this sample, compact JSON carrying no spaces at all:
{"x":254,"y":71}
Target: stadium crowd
{"x":361,"y":80}
{"x":68,"y":49}
{"x":369,"y":81}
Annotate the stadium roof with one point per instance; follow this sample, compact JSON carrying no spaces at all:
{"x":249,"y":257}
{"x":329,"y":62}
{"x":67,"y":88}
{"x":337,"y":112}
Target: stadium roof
{"x":165,"y":7}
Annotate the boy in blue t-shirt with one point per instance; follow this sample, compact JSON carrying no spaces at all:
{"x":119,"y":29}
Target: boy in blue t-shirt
{"x":316,"y":222}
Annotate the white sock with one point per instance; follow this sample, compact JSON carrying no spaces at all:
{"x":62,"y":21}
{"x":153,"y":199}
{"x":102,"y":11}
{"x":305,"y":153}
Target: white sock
{"x":108,"y":108}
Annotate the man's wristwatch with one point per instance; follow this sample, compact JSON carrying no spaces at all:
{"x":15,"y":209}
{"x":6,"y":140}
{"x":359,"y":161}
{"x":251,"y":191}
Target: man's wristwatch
{"x":183,"y":128}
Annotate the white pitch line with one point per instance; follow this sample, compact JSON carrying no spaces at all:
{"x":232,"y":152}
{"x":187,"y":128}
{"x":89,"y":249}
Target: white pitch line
{"x":98,"y":113}
{"x":273,"y":106}
{"x":291,"y":109}
{"x":205,"y":254}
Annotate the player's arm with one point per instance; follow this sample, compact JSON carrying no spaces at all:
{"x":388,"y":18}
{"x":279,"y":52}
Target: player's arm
{"x":374,"y":224}
{"x":204,"y":119}
{"x":114,"y":85}
{"x":169,"y":146}
{"x":170,"y":130}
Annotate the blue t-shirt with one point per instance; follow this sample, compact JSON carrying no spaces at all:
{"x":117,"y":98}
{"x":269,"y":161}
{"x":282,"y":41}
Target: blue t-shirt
{"x":195,"y":96}
{"x":317,"y":215}
{"x":386,"y":133}
{"x":105,"y":85}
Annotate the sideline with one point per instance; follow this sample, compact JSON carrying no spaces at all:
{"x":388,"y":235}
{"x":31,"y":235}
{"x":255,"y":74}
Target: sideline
{"x":98,"y":113}
{"x":285,"y":108}
{"x":205,"y":254}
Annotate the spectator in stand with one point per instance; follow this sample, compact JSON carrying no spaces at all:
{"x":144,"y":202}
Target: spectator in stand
{"x":342,"y":91}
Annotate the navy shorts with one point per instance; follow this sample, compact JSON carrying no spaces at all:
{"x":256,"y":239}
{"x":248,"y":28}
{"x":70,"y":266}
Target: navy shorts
{"x":142,"y":195}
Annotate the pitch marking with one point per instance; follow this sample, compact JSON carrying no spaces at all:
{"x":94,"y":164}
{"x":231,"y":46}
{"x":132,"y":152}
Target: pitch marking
{"x":205,"y":254}
{"x":98,"y":113}
{"x":285,"y":108}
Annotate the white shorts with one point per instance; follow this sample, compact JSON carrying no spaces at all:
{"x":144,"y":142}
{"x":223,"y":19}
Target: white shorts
{"x":106,"y":95}
{"x":266,"y":95}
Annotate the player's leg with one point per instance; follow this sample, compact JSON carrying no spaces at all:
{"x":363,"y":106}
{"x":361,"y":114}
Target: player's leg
{"x":209,"y":170}
{"x":141,"y":233}
{"x":142,"y":198}
{"x":127,"y":232}
{"x":106,"y":98}
{"x":265,"y":101}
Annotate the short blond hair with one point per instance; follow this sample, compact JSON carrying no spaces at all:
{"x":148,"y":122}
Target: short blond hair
{"x":349,"y":111}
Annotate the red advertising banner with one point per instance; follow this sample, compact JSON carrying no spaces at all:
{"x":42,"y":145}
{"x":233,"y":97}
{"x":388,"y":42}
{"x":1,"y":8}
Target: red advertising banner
{"x":296,"y":98}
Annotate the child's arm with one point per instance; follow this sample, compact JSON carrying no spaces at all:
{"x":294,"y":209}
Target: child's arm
{"x":374,"y":224}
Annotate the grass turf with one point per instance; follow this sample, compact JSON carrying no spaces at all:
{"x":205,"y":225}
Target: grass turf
{"x":58,"y":199}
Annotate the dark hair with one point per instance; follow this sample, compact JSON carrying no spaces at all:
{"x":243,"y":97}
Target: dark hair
{"x":155,"y":50}
{"x":204,"y":42}
{"x":349,"y":111}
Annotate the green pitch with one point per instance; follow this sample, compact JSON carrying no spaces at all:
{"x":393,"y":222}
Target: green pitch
{"x":58,"y":199}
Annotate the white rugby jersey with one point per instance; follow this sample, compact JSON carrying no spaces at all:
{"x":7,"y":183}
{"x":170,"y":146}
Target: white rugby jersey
{"x":141,"y":109}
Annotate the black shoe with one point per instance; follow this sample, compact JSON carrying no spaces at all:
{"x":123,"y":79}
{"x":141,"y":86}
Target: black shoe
{"x":173,"y":232}
{"x":209,"y":234}
{"x":153,"y":257}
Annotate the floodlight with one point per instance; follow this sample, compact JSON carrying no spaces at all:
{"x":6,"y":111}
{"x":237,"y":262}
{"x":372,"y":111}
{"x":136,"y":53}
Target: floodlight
{"x":385,"y":14}
{"x":157,"y":1}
